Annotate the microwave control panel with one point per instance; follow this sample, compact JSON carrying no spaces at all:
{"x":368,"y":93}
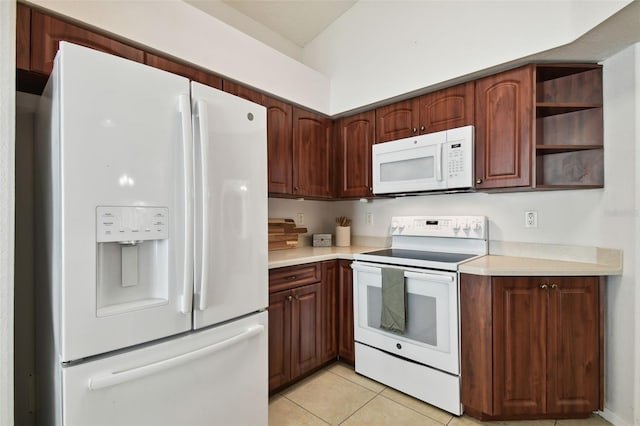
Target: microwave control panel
{"x":458,"y":160}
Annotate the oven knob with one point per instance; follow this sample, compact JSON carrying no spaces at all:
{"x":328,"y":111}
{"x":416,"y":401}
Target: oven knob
{"x":477,"y":227}
{"x":466,"y":227}
{"x":398,"y":345}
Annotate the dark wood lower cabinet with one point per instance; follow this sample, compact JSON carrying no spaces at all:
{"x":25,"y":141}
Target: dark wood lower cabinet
{"x":531,"y":347}
{"x":329,"y":309}
{"x":346,"y":342}
{"x":302,"y":321}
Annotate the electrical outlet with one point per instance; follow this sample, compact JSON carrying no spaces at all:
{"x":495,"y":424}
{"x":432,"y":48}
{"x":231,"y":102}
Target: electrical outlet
{"x":530,"y":219}
{"x":300,"y":219}
{"x":368,"y":218}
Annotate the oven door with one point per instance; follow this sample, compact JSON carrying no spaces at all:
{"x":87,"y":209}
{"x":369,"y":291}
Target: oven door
{"x":431,"y":336}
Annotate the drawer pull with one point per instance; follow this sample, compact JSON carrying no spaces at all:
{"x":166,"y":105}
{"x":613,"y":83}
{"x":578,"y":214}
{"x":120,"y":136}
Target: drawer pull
{"x":292,"y":277}
{"x":543,"y":286}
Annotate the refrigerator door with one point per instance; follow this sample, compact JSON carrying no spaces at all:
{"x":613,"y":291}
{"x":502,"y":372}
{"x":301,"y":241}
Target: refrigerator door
{"x":216,"y":376}
{"x":122,"y":209}
{"x":231,"y":206}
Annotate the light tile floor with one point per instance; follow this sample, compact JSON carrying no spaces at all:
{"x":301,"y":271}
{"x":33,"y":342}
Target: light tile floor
{"x":337,"y":395}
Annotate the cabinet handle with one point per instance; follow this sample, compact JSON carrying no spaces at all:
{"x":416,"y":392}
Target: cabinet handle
{"x":554,"y":285}
{"x":291,"y":277}
{"x":415,"y":130}
{"x":543,"y":286}
{"x":478,"y":181}
{"x":289,"y":298}
{"x":422,"y":128}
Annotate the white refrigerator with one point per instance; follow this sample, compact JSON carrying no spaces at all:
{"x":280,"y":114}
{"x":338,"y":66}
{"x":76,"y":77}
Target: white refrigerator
{"x":152,"y":248}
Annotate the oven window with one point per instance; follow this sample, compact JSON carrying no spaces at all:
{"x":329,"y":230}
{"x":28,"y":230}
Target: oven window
{"x":421,"y":315}
{"x":411,"y":169}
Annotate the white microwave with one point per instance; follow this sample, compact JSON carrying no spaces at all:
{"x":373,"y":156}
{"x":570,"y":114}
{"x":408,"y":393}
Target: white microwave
{"x":435,"y":162}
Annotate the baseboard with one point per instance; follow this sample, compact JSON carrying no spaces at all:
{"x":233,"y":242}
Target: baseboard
{"x":613,"y":418}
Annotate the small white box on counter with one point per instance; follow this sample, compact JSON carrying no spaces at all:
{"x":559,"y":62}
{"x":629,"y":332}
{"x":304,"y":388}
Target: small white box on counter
{"x":322,"y":240}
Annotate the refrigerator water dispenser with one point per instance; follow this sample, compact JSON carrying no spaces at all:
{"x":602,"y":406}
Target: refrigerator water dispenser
{"x":132,"y":258}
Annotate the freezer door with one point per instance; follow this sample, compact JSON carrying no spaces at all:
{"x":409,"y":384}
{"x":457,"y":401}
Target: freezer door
{"x":216,"y":376}
{"x":231,"y":206}
{"x":122,"y":210}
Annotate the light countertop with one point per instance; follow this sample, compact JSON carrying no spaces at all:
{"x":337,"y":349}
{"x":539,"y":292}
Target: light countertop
{"x":528,"y":266}
{"x":505,"y":259}
{"x":309,"y":254}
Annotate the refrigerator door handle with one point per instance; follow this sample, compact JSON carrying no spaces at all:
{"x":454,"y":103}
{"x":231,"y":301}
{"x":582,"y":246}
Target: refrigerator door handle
{"x":203,"y":126}
{"x":184,"y":105}
{"x":119,"y":377}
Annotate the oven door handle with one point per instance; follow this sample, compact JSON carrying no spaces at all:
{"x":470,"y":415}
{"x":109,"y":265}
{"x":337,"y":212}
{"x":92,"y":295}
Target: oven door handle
{"x":429,"y":277}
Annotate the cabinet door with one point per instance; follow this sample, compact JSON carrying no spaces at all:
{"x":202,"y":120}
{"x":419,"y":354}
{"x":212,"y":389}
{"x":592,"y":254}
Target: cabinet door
{"x":397,"y":121}
{"x":184,"y":70}
{"x":47,"y":32}
{"x":346,"y":342}
{"x":279,"y":146}
{"x":279,"y":338}
{"x":355,"y":139}
{"x":519,"y":346}
{"x":503,"y":133}
{"x":447,"y":108}
{"x":306,"y":329}
{"x":312,"y":154}
{"x":329,"y":302}
{"x":573,"y":345}
{"x":23,"y":36}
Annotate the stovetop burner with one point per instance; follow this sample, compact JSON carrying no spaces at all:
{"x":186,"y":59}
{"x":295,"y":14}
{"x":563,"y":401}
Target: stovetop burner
{"x":422,"y":255}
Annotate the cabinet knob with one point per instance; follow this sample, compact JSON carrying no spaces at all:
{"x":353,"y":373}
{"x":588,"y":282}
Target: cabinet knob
{"x":371,"y":189}
{"x":554,"y":285}
{"x":295,"y":188}
{"x":289,"y":298}
{"x":297,"y":297}
{"x":415,"y":130}
{"x":422,"y":128}
{"x":478,"y":181}
{"x":291,"y":277}
{"x":543,"y":286}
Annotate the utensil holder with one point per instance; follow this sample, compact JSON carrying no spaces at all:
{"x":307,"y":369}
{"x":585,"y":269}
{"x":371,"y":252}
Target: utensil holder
{"x":343,"y":236}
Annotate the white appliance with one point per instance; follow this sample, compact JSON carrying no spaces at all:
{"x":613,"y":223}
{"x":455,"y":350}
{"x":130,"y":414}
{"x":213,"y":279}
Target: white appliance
{"x":152,"y":276}
{"x":424,"y":361}
{"x":435,"y":162}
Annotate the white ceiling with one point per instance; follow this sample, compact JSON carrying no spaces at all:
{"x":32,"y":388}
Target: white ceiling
{"x":299,"y":21}
{"x":290,"y":25}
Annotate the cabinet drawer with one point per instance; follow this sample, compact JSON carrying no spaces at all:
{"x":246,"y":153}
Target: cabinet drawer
{"x":293,"y":276}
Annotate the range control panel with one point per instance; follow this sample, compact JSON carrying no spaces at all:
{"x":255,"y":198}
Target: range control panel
{"x":440,"y":226}
{"x":114,"y":224}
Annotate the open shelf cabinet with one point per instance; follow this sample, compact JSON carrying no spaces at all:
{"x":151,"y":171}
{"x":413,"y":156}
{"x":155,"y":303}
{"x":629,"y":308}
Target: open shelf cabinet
{"x":569,"y":132}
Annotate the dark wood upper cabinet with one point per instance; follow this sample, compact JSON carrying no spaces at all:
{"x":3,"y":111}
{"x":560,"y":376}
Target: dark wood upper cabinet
{"x":23,"y":37}
{"x":279,"y":137}
{"x":312,"y":155}
{"x":47,"y":32}
{"x":531,"y":347}
{"x":346,"y":341}
{"x":355,"y":137}
{"x":447,"y":108}
{"x":503,"y":132}
{"x":433,"y":112}
{"x":184,"y":70}
{"x":279,"y":146}
{"x":397,"y":121}
{"x":243,"y":92}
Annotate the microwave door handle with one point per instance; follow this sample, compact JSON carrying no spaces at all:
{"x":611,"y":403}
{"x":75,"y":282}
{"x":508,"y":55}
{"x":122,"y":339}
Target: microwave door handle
{"x":439,"y":162}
